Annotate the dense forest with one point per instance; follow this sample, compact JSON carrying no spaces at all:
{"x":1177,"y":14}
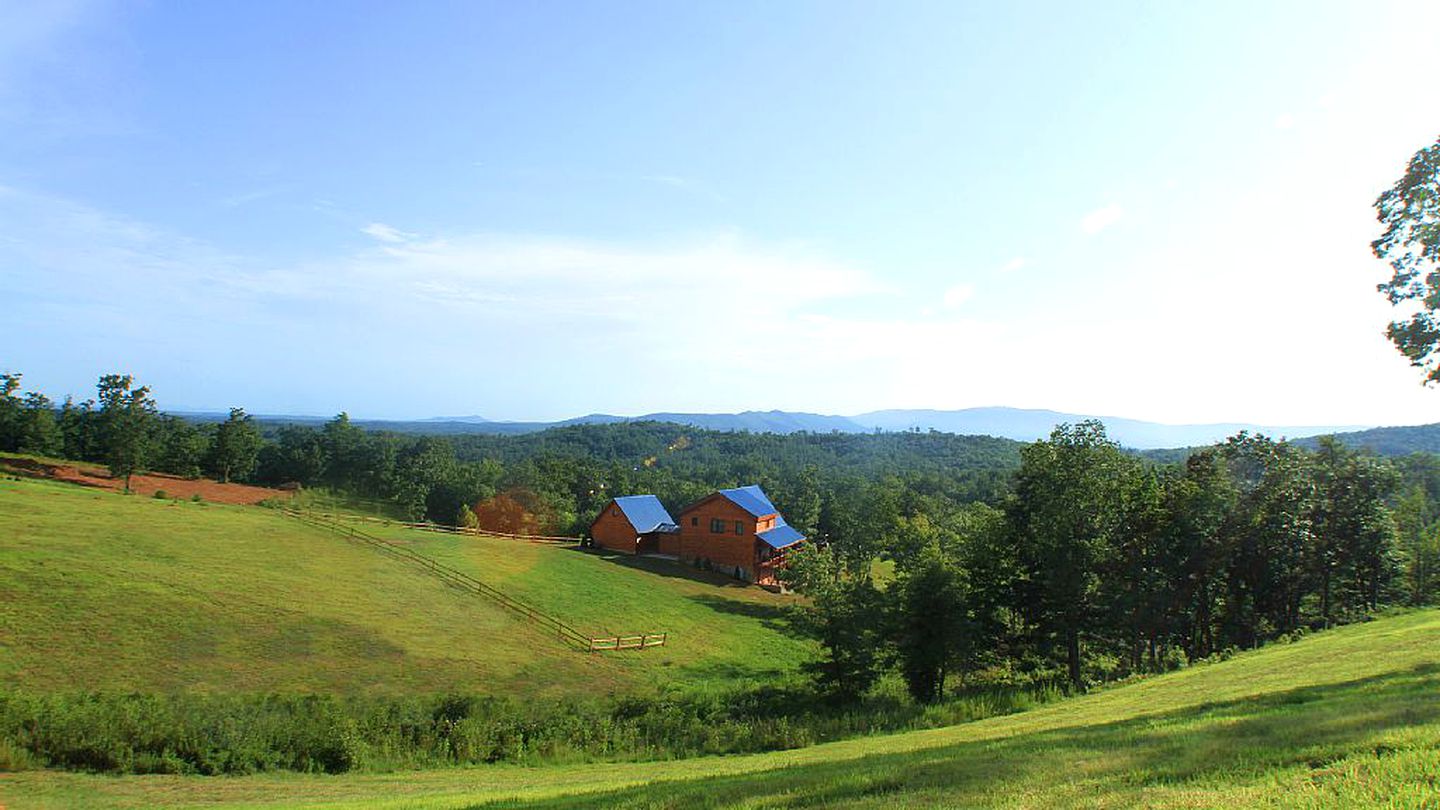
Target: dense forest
{"x":945,"y":558}
{"x":552,"y":481}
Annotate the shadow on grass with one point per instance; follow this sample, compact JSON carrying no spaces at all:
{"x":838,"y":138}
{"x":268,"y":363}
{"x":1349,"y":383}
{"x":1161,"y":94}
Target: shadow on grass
{"x":773,"y":617}
{"x":1212,"y":745}
{"x":664,"y":568}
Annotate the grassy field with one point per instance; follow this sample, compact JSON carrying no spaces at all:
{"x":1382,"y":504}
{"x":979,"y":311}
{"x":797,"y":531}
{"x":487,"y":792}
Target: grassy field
{"x":101,"y":591}
{"x":1347,"y":718}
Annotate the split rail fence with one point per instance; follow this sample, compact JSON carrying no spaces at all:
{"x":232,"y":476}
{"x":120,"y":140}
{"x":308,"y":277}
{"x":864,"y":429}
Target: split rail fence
{"x":438,"y":527}
{"x":463,"y":581}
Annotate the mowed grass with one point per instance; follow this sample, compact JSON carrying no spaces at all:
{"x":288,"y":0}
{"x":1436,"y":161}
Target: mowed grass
{"x":101,"y":591}
{"x":718,"y":627}
{"x":1346,"y":718}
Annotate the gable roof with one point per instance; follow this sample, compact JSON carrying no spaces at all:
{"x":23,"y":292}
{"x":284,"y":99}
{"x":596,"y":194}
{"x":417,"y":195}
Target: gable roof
{"x":752,"y":499}
{"x":782,"y":536}
{"x":646,"y":513}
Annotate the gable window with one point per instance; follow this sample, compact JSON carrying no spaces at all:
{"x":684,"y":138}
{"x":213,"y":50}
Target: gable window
{"x":717,"y":526}
{"x":739,"y":527}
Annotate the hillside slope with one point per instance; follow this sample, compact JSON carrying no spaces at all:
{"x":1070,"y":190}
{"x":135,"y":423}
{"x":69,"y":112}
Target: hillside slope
{"x":100,"y":591}
{"x":1346,"y":718}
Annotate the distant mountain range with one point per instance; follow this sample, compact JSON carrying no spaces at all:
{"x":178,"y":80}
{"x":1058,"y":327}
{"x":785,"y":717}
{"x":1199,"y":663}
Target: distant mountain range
{"x":1011,"y":423}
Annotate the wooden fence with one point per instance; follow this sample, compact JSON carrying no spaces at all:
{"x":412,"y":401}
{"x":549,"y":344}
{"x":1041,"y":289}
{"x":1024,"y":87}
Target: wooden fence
{"x":463,"y":581}
{"x":628,"y":642}
{"x":438,"y":527}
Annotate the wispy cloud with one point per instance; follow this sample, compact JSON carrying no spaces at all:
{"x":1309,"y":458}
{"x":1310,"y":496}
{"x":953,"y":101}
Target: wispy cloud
{"x":958,"y":295}
{"x":386,"y":233}
{"x":1017,"y":263}
{"x":1101,"y":218}
{"x":247,"y":197}
{"x":454,"y":298}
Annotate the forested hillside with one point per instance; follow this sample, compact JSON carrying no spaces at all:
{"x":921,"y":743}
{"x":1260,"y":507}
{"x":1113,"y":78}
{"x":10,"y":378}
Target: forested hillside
{"x":551,"y":481}
{"x":1388,"y":441}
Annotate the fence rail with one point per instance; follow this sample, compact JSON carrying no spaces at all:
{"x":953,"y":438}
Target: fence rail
{"x":628,"y":642}
{"x":438,"y":527}
{"x":463,"y":581}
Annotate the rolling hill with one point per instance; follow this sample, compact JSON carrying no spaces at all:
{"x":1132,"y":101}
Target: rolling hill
{"x":1019,"y":424}
{"x":101,"y":591}
{"x":1344,"y":719}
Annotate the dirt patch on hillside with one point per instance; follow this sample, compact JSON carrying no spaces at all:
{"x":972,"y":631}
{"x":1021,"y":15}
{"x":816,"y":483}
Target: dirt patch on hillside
{"x":147,"y":484}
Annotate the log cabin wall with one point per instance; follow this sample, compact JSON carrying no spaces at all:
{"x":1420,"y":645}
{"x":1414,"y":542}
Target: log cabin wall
{"x":612,"y":530}
{"x":727,"y":549}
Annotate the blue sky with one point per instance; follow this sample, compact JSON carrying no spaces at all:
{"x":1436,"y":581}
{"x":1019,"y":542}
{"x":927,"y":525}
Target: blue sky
{"x":539,"y":210}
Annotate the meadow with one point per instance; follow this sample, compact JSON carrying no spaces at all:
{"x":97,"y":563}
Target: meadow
{"x":101,"y":591}
{"x":1345,"y":718}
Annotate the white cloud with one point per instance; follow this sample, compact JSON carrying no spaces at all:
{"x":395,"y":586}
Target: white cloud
{"x":1284,"y":121}
{"x":386,"y":233}
{"x":956,"y":296}
{"x":1017,"y":263}
{"x":449,"y":317}
{"x":1101,"y":218}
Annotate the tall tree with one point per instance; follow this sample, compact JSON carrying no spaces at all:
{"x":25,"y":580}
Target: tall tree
{"x":236,"y":447}
{"x":1064,"y":519}
{"x":1410,"y":212}
{"x":945,"y":598}
{"x":127,"y":414}
{"x":11,"y":411}
{"x":1418,"y":529}
{"x":79,"y":430}
{"x":39,"y":433}
{"x":181,"y":447}
{"x":1269,"y":538}
{"x":1199,"y":504}
{"x":845,"y":615}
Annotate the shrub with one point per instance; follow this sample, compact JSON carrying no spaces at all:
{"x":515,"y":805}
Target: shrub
{"x":160,"y":495}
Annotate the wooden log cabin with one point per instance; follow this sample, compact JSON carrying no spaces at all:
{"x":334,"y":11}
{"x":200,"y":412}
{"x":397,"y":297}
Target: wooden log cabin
{"x":636,"y":524}
{"x":737,"y":531}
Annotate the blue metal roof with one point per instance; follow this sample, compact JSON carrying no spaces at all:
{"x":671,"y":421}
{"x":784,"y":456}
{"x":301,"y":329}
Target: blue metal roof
{"x":752,"y":499}
{"x":646,"y":514}
{"x":782,"y":535}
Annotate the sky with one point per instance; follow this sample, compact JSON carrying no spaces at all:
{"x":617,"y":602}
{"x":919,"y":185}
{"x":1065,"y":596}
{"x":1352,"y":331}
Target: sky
{"x":533,"y":211}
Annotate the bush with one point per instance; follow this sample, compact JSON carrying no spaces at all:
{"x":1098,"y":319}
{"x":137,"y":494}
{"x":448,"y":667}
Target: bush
{"x":242,"y":734}
{"x":160,"y":495}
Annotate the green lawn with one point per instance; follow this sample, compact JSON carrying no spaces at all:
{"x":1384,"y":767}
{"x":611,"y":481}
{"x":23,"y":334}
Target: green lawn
{"x":101,"y":591}
{"x":1347,"y":718}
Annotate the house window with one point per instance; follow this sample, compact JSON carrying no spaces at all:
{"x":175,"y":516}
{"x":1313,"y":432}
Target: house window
{"x":717,"y":526}
{"x":739,"y":527}
{"x":694,"y":521}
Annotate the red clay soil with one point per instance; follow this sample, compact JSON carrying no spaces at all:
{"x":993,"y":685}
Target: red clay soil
{"x":147,"y":484}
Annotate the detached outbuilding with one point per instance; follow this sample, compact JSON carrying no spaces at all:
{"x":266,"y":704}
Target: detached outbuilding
{"x":636,"y":524}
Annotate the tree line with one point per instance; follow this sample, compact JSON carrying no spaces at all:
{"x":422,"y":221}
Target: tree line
{"x":943,"y":558}
{"x":1097,"y":564}
{"x":122,"y":428}
{"x":556,"y":481}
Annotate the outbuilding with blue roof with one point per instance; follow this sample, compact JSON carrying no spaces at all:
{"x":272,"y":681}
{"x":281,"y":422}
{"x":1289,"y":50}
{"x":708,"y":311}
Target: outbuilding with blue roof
{"x":636,"y":524}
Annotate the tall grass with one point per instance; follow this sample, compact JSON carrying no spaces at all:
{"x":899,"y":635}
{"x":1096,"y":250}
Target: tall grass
{"x":238,"y":734}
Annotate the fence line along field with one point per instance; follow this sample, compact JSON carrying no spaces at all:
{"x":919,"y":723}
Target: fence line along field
{"x":563,"y":632}
{"x":100,"y":591}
